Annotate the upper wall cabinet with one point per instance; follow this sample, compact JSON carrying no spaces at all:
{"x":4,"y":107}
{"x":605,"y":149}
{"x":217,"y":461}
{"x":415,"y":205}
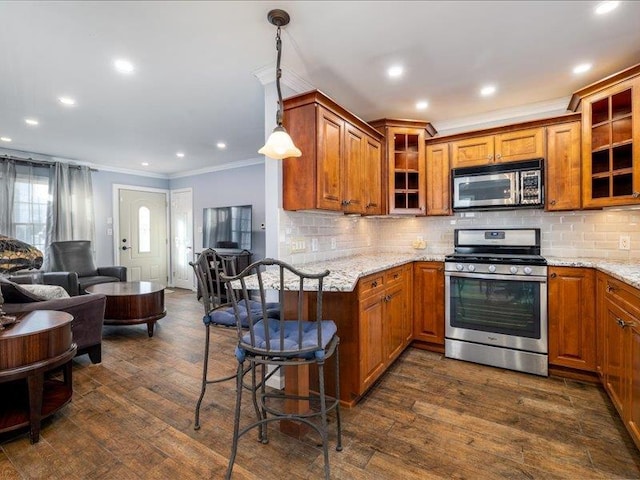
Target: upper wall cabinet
{"x":503,"y":147}
{"x":610,"y":140}
{"x":438,"y":179}
{"x":405,"y":162}
{"x":341,"y":164}
{"x":563,"y":167}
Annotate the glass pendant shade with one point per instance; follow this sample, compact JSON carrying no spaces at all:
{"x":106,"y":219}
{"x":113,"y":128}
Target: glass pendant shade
{"x":279,"y":145}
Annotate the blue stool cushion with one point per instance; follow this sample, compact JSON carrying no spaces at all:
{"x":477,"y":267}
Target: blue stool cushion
{"x":226,"y":317}
{"x":309,"y":337}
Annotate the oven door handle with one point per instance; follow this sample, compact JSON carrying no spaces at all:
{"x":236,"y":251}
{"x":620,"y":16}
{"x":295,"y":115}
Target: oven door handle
{"x":481,"y":276}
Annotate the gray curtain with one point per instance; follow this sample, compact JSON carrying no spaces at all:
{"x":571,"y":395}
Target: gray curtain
{"x":7,"y":184}
{"x":70,"y":216}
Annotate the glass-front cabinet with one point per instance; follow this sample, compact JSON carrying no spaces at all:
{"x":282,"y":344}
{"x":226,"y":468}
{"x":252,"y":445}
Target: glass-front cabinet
{"x":611,"y":141}
{"x":406,"y":164}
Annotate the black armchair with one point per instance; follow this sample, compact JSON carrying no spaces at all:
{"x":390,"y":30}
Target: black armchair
{"x":76,"y":256}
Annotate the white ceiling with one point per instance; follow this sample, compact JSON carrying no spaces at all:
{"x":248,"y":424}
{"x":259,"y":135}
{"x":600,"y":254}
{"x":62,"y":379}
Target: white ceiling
{"x":195,"y":81}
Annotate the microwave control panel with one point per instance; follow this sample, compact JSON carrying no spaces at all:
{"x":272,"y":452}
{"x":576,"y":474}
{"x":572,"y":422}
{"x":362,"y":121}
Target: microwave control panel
{"x":530,"y":187}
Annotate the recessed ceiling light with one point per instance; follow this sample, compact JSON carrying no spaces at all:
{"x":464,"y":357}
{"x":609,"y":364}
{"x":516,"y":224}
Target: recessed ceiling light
{"x":180,"y":155}
{"x":583,"y":67}
{"x":31,"y":121}
{"x":67,"y":101}
{"x":395,"y":71}
{"x":5,"y":139}
{"x":487,"y":90}
{"x":606,"y":7}
{"x":422,"y":105}
{"x":123,"y":66}
{"x":145,"y":164}
{"x":221,"y":145}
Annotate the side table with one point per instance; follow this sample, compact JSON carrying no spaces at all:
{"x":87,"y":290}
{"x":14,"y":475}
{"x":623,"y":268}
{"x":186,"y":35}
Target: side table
{"x":39,"y":343}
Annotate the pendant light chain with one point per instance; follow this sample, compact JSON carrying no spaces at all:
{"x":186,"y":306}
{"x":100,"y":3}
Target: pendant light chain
{"x":279,"y":113}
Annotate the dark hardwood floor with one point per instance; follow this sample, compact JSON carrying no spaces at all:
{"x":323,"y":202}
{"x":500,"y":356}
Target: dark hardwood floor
{"x":429,"y":417}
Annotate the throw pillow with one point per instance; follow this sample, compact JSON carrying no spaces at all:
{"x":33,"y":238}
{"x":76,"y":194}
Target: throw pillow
{"x":14,"y":293}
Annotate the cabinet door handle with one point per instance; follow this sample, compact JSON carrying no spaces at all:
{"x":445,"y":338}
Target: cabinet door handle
{"x":374,"y":284}
{"x":498,"y":156}
{"x":610,"y":288}
{"x":636,"y":194}
{"x":489,"y":157}
{"x":396,"y":275}
{"x":553,"y":275}
{"x":621,"y":323}
{"x":552,"y":202}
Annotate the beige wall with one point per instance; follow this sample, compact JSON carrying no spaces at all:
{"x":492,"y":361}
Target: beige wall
{"x":564,"y":234}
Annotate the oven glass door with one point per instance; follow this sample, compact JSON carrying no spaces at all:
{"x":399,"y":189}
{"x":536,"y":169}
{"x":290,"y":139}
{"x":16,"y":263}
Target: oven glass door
{"x":497,"y":189}
{"x":512,"y":308}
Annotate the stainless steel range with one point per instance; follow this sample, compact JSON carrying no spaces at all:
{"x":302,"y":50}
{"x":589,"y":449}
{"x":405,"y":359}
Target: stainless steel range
{"x":496,"y":299}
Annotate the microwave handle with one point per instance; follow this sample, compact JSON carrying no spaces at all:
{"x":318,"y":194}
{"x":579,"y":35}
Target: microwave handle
{"x":515,"y":191}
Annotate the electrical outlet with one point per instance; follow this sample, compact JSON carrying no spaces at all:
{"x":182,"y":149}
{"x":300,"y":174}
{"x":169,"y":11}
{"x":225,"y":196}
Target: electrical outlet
{"x":314,"y":244}
{"x":298,"y":245}
{"x":334,"y":243}
{"x":624,"y":243}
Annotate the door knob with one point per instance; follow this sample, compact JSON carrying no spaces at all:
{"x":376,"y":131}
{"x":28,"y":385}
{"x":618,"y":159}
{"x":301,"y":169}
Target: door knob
{"x":126,"y":248}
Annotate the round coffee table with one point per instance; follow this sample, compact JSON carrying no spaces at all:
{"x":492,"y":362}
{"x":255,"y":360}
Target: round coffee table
{"x":132,"y":303}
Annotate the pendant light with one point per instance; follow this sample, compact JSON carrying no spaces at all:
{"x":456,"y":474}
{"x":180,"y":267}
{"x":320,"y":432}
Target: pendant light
{"x":279,"y":144}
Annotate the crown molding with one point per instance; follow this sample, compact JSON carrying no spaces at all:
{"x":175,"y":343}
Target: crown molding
{"x":508,"y":115}
{"x":219,"y":168}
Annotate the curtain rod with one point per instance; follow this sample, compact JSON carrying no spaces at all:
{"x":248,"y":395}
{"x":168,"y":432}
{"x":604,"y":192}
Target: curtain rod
{"x":41,"y":163}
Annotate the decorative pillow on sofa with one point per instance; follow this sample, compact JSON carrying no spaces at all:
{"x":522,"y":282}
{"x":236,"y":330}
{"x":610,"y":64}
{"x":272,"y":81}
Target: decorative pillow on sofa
{"x":48,"y":292}
{"x":14,"y":293}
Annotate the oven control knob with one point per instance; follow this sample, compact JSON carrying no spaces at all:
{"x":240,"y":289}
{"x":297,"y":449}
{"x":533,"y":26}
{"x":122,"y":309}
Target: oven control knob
{"x":459,"y":267}
{"x":492,"y":268}
{"x":471,"y":268}
{"x":513,"y":269}
{"x":527,"y":270}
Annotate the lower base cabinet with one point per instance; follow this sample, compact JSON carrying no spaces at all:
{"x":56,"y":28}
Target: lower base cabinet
{"x":428,"y":305}
{"x":571,"y":313}
{"x":620,"y":337}
{"x":374,"y":326}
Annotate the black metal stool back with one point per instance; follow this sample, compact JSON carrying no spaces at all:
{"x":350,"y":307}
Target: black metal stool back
{"x":299,"y":336}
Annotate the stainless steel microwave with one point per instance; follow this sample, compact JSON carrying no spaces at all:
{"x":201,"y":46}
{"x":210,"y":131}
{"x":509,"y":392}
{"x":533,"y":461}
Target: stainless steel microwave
{"x":499,"y":186}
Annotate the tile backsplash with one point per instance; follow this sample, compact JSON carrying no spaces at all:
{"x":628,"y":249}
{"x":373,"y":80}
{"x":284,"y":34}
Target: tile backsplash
{"x":564,"y":234}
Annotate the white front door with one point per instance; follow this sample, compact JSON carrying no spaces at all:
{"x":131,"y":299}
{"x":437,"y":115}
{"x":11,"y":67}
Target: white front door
{"x":182,"y":238}
{"x":143,"y":235}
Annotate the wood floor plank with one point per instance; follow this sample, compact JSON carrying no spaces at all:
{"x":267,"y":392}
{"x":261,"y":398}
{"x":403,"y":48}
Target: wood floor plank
{"x":429,"y":417}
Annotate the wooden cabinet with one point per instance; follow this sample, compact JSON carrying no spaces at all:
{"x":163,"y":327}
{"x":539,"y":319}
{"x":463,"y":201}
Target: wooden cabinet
{"x":438,"y":179}
{"x":611,"y":140}
{"x":563,"y":167}
{"x":620,"y":334}
{"x":509,"y":146}
{"x":571,"y":314}
{"x":374,"y":325}
{"x":428,"y":305}
{"x":405,"y":164}
{"x":341,"y":165}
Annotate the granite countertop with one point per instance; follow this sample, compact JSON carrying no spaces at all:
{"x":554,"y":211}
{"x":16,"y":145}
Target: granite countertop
{"x":346,"y":271}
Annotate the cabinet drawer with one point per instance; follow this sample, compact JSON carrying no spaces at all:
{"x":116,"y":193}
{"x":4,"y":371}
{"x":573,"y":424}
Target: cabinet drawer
{"x":393,"y":275}
{"x":623,"y":295}
{"x":370,"y":285}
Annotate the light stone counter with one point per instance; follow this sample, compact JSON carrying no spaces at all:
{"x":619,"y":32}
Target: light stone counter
{"x":345,"y":271}
{"x":628,"y":272}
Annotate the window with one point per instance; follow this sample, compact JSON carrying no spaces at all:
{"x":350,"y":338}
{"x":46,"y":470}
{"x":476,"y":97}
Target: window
{"x":144,"y":230}
{"x":31,"y":196}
